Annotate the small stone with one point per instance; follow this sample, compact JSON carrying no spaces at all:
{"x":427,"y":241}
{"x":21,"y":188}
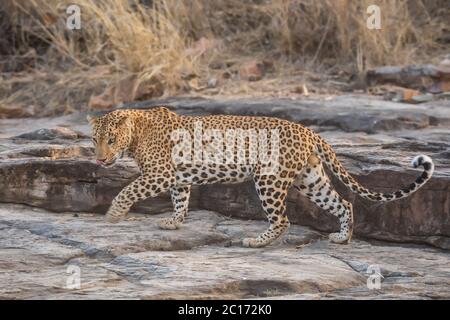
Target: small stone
{"x":422,"y":98}
{"x":51,"y":134}
{"x":409,"y":94}
{"x":444,"y":68}
{"x":440,"y":87}
{"x":16,"y":111}
{"x":101,"y":102}
{"x":252,"y":71}
{"x":125,"y":90}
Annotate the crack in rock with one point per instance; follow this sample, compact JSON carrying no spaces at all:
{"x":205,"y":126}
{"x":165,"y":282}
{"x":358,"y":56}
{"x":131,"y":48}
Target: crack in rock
{"x":363,"y":267}
{"x":47,"y":231}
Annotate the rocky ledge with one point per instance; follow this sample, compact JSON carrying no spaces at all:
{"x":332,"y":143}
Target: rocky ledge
{"x":48,"y":163}
{"x":51,"y":192}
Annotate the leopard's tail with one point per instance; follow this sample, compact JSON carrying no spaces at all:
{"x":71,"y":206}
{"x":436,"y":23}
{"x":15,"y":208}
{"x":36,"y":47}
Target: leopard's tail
{"x":326,"y":154}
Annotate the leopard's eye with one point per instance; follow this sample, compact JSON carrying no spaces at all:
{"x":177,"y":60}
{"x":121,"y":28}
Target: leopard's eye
{"x":111,"y":141}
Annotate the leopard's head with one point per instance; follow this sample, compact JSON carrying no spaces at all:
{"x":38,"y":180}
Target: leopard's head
{"x":111,"y":136}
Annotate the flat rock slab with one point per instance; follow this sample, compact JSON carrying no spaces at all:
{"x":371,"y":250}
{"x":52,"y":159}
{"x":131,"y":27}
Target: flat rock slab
{"x":133,"y":259}
{"x":349,"y":113}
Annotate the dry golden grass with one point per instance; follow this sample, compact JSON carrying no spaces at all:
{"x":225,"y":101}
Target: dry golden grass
{"x":151,"y":42}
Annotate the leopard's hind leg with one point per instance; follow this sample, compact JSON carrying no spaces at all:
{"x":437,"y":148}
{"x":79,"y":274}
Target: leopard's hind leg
{"x":180,"y":200}
{"x":272,"y":191}
{"x":314,"y":183}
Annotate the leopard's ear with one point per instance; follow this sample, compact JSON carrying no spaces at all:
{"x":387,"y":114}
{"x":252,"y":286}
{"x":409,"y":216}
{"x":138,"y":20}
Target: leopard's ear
{"x":90,"y":119}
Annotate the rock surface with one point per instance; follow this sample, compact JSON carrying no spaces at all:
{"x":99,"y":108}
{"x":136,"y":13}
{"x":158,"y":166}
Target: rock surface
{"x":51,"y":134}
{"x":47,"y":163}
{"x":58,"y":174}
{"x":342,"y":113}
{"x":42,"y":253}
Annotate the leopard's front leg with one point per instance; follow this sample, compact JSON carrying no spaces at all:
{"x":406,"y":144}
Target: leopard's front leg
{"x":180,"y":199}
{"x":143,"y":187}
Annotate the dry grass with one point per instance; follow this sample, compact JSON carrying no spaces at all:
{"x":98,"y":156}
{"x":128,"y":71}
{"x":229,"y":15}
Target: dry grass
{"x":151,"y":41}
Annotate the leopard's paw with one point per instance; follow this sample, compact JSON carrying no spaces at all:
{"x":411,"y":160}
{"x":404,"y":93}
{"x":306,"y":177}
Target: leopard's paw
{"x":338,"y":238}
{"x":252,"y":243}
{"x":168,"y":224}
{"x":114,"y":218}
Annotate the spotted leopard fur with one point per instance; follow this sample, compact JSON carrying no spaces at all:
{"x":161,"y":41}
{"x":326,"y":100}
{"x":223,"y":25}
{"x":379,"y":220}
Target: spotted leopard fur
{"x":146,"y":135}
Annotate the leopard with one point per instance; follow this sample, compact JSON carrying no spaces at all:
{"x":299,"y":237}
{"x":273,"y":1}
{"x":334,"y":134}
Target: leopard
{"x":297,"y":160}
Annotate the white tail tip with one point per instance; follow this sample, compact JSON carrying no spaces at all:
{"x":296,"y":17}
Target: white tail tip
{"x":420,"y":160}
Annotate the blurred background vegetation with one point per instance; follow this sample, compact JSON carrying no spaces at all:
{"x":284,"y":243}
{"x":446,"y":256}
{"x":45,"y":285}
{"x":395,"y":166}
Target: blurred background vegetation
{"x":154,"y":48}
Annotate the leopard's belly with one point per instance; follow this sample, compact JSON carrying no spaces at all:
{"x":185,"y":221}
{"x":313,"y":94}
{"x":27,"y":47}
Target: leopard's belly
{"x":213,"y":173}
